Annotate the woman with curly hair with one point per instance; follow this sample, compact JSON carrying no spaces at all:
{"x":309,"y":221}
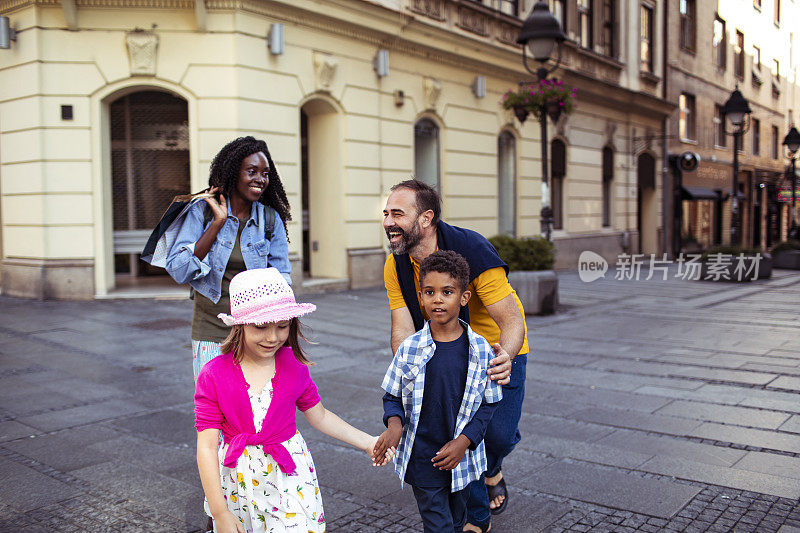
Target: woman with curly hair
{"x":241,"y":225}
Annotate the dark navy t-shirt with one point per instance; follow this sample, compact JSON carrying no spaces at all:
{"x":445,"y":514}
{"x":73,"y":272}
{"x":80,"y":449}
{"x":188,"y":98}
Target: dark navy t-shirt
{"x":445,"y":379}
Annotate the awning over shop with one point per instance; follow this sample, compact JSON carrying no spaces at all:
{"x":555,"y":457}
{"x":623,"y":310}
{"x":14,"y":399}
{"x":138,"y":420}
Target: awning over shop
{"x":699,"y":193}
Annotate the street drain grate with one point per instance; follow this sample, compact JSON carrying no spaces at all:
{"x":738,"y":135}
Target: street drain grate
{"x":167,"y":323}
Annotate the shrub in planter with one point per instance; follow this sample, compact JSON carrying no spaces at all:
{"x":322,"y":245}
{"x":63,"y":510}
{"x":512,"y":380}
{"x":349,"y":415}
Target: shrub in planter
{"x":735,"y":263}
{"x":786,"y":254}
{"x":530,"y":261}
{"x":785,"y":246}
{"x":530,"y":253}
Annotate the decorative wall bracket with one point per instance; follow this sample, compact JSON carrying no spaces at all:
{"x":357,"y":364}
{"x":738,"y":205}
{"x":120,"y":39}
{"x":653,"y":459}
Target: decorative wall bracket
{"x":431,"y":89}
{"x":143,"y":52}
{"x":325,"y":66}
{"x":562,"y":126}
{"x":611,"y":131}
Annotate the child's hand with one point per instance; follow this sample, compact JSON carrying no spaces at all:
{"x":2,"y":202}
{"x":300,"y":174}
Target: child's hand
{"x":451,"y":453}
{"x":386,"y":444}
{"x":379,"y":459}
{"x":228,"y":523}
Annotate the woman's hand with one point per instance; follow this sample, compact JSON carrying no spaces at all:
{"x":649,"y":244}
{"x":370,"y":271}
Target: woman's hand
{"x":219,"y":208}
{"x":228,"y":523}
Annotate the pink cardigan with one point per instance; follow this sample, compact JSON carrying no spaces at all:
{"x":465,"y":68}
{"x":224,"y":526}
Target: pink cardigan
{"x":221,"y":402}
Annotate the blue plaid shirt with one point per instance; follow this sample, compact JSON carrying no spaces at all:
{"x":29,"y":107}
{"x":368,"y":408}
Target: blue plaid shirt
{"x":406,"y":379}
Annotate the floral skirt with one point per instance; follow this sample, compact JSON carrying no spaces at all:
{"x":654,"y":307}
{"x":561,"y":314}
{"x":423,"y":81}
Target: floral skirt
{"x":262,"y":496}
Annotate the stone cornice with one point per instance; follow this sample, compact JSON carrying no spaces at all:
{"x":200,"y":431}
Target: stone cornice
{"x":7,"y":6}
{"x":405,"y":32}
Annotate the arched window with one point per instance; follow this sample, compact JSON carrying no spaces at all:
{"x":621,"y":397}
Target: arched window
{"x":558,"y":158}
{"x":426,"y":152}
{"x":608,"y":182}
{"x":507,"y":184}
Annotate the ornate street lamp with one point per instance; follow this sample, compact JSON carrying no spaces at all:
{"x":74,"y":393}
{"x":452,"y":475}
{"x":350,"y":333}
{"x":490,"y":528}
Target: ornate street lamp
{"x":737,"y":109}
{"x":540,"y":33}
{"x":792,"y":144}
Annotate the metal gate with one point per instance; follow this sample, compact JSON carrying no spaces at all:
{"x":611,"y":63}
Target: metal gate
{"x":149,"y":166}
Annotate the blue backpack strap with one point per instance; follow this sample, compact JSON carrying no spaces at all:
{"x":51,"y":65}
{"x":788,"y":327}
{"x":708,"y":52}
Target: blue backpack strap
{"x":405,"y":277}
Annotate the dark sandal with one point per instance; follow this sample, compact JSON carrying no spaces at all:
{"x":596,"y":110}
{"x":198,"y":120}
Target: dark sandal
{"x":485,"y":529}
{"x":495,"y":491}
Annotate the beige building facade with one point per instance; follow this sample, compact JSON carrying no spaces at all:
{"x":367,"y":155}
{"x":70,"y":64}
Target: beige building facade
{"x":108,"y":109}
{"x":714,"y":48}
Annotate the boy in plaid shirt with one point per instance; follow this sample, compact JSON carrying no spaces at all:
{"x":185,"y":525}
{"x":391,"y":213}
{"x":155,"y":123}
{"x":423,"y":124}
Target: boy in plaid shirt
{"x":439,"y":399}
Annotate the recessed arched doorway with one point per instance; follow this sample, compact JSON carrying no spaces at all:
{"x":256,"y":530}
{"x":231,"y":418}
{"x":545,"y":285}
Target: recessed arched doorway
{"x":646,"y":206}
{"x":322,"y":191}
{"x":149,"y":141}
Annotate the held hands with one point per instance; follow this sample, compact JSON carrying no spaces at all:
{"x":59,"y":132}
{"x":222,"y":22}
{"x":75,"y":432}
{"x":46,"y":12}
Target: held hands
{"x":500,"y":367}
{"x":228,"y":523}
{"x":379,"y":459}
{"x":219,"y":208}
{"x":386,"y":444}
{"x":451,"y":453}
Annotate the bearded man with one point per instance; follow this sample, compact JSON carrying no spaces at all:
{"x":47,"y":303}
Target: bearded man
{"x":412,"y":223}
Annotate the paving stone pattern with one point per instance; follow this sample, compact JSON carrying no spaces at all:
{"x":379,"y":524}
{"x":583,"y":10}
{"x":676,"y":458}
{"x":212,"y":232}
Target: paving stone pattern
{"x":660,"y":405}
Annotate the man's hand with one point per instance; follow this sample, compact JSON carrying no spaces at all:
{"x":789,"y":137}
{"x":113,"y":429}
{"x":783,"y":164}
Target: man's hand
{"x":387,"y":442}
{"x":451,"y":453}
{"x":500,"y":367}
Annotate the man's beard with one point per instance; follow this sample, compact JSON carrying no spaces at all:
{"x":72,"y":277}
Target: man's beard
{"x":408,"y":240}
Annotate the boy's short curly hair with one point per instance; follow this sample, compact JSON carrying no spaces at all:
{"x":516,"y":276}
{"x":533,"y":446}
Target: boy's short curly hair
{"x":446,"y":262}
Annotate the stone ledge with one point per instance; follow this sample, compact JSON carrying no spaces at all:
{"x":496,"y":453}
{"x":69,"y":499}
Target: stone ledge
{"x":537,"y":289}
{"x":365,"y":267}
{"x":48,"y":279}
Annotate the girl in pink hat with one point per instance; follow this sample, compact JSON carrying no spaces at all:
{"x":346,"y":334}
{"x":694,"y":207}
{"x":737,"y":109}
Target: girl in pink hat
{"x":261,"y":477}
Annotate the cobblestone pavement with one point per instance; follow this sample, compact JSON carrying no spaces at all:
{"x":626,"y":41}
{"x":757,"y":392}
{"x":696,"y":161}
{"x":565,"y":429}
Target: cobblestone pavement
{"x":650,"y":406}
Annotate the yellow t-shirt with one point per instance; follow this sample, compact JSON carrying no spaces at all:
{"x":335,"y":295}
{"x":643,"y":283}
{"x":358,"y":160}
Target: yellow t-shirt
{"x":488,"y":288}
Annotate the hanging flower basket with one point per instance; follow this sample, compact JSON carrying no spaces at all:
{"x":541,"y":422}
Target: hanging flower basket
{"x":549,"y":96}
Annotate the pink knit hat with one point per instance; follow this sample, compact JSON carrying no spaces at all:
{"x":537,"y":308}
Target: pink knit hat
{"x":260,"y":296}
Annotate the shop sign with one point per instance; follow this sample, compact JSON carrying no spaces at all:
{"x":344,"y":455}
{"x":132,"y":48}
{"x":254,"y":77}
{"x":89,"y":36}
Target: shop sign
{"x":785,"y":194}
{"x":709,"y":175}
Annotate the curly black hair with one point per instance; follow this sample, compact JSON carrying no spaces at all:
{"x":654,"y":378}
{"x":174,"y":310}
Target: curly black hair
{"x":225,"y":173}
{"x":446,"y":262}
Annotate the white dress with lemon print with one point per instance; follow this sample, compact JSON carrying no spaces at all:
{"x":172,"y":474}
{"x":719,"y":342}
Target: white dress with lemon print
{"x":264,"y":498}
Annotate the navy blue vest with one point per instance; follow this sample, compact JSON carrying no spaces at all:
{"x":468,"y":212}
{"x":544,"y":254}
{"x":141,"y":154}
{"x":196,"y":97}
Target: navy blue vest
{"x":479,"y":253}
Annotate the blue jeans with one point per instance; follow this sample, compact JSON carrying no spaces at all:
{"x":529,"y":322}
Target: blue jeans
{"x":442,"y":511}
{"x":502,"y":434}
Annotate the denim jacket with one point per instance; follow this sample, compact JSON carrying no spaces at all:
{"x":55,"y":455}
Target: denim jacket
{"x":206,"y":276}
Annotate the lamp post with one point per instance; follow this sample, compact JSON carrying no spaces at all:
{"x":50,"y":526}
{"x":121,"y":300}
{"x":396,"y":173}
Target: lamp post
{"x":737,"y":109}
{"x":792,"y":144}
{"x":540,"y":33}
